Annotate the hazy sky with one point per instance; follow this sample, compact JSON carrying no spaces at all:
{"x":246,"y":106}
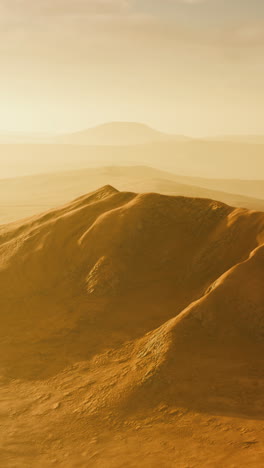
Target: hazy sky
{"x":187,"y":66}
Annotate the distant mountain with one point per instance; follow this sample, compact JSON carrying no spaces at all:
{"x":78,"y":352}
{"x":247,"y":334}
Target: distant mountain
{"x":118,"y":134}
{"x":121,"y":134}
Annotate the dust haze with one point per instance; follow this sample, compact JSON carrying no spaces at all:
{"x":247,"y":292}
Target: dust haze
{"x":131,"y":234}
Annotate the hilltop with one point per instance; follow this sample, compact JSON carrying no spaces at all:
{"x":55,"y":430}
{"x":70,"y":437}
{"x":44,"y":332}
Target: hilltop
{"x":122,"y":312}
{"x":26,"y":196}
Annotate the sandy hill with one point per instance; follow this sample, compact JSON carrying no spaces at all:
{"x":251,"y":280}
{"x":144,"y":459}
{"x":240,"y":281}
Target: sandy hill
{"x":26,"y":196}
{"x":129,"y":323}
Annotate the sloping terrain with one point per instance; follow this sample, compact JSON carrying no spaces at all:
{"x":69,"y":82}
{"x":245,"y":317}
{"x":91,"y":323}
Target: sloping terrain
{"x":26,"y":196}
{"x":132,"y":334}
{"x":194,"y":158}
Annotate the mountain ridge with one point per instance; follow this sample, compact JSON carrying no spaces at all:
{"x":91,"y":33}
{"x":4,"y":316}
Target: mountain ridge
{"x":68,"y":185}
{"x":124,"y":313}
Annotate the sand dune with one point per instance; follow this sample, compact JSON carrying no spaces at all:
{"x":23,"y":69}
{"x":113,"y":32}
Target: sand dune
{"x":27,"y":196}
{"x":127,"y":315}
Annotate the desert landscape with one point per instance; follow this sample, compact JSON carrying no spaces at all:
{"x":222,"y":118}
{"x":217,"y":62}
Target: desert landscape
{"x":131,"y":234}
{"x":26,"y":196}
{"x":39,"y":176}
{"x":132,"y":334}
